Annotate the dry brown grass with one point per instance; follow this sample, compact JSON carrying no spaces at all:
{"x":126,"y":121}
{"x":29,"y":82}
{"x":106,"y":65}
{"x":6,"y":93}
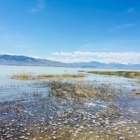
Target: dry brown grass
{"x":29,"y":76}
{"x":110,"y":111}
{"x":81,"y":89}
{"x":24,"y":76}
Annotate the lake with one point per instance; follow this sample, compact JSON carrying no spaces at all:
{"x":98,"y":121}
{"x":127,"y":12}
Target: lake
{"x":48,"y":109}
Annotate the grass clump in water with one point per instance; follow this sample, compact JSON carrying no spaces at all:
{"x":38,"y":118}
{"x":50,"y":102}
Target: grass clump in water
{"x":24,"y":76}
{"x":83,"y":90}
{"x":73,"y":75}
{"x":28,"y":76}
{"x":81,"y":70}
{"x":129,"y":74}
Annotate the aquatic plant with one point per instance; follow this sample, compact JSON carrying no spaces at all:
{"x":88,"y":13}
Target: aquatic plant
{"x":81,"y":70}
{"x":28,"y":76}
{"x":65,"y":89}
{"x":129,"y":74}
{"x":23,"y":76}
{"x":66,"y":112}
{"x":111,"y":111}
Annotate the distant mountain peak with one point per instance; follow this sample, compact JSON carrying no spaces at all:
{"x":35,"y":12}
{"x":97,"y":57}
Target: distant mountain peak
{"x":20,"y":60}
{"x":113,"y":65}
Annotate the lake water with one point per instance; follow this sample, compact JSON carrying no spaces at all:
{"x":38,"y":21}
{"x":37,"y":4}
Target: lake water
{"x":8,"y":70}
{"x":26,"y":106}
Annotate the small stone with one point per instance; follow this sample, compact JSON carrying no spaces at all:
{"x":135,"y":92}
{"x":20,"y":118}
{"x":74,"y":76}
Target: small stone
{"x":122,"y":138}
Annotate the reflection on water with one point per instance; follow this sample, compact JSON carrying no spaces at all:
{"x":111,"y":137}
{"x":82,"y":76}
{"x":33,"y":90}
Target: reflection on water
{"x":27,"y":111}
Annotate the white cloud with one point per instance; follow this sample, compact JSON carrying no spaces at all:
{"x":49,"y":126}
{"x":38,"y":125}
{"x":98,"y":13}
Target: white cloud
{"x":80,"y":56}
{"x":40,"y":6}
{"x":62,"y":53}
{"x":69,"y":59}
{"x":100,"y":54}
{"x":37,"y":57}
{"x":76,"y":53}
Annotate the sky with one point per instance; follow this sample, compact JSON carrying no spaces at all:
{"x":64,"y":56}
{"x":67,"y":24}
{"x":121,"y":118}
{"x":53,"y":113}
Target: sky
{"x":72,"y":30}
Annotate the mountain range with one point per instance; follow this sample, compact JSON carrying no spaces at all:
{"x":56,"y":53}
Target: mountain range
{"x":95,"y":64}
{"x":16,"y":60}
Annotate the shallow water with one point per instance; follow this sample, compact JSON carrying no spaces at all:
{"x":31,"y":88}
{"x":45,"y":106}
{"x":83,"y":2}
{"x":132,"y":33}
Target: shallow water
{"x":27,"y":111}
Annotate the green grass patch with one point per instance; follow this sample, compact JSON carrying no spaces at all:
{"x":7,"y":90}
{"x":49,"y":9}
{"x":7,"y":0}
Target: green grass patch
{"x":128,"y":74}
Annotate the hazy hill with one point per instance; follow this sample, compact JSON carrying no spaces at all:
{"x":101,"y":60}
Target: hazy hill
{"x":94,"y":64}
{"x":29,"y":61}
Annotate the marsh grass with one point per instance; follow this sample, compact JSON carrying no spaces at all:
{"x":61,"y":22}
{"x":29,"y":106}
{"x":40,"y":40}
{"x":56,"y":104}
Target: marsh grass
{"x":68,"y":86}
{"x":81,"y":70}
{"x":29,"y":76}
{"x":24,"y":76}
{"x":63,"y":125}
{"x":129,"y":74}
{"x":111,"y":111}
{"x":82,"y":90}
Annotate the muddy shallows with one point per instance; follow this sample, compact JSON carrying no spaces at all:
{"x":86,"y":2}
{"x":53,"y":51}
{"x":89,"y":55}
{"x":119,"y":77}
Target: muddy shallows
{"x":68,"y":109}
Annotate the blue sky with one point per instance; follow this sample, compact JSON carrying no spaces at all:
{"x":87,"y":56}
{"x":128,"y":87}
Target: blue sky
{"x":71,"y":30}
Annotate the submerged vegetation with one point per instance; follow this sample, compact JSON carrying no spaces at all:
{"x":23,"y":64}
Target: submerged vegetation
{"x":64,"y":107}
{"x":82,"y":90}
{"x":60,"y":113}
{"x":62,"y":86}
{"x":129,"y":74}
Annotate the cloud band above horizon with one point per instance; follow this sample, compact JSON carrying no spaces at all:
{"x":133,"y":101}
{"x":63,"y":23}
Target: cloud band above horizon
{"x":105,"y":57}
